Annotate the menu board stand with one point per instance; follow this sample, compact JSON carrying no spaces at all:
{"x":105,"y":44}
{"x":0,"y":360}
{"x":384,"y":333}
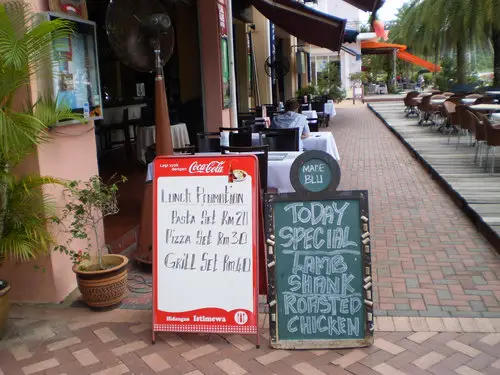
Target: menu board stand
{"x":318,"y":260}
{"x":205,"y":244}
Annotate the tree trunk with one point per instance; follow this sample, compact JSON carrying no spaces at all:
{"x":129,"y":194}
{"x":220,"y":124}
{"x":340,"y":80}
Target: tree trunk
{"x":461,"y":63}
{"x":496,"y":59}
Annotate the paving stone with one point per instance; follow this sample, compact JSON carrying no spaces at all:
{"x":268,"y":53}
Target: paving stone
{"x":428,"y":360}
{"x":116,"y":370}
{"x":272,"y":357}
{"x":85,"y":357}
{"x":20,"y":352}
{"x":155,"y":362}
{"x":40,"y":366}
{"x":307,"y":369}
{"x":491,"y":339}
{"x":128,"y":348}
{"x":105,"y":334}
{"x":465,"y":370}
{"x":420,"y":337}
{"x":63,"y":344}
{"x":462,"y":348}
{"x":240,"y":342}
{"x":349,"y":358}
{"x":386,"y":369}
{"x":388,"y":346}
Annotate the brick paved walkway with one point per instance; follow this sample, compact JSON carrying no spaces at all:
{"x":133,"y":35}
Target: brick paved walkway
{"x":429,"y":260}
{"x":89,"y":344}
{"x":437,"y":294}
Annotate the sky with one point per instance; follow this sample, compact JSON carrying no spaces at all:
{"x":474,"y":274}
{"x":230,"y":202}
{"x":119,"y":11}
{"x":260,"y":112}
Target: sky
{"x":387,"y":12}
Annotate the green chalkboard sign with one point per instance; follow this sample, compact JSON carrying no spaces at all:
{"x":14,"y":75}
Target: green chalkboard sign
{"x":315,"y":172}
{"x":319,"y":270}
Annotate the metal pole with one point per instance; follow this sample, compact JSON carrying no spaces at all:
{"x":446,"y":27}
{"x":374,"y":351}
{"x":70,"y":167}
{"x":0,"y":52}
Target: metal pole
{"x":395,"y":68}
{"x":232,"y":74}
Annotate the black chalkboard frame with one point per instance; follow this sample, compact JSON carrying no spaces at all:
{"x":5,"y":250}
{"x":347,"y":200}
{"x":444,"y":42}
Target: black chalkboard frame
{"x":311,"y":155}
{"x":362,"y":197}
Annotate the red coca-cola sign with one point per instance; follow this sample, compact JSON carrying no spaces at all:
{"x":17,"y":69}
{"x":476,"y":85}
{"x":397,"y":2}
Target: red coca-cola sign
{"x":212,"y":167}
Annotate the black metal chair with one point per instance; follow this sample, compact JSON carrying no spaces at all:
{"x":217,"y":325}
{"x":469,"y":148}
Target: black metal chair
{"x":256,"y":125}
{"x":262,"y":153}
{"x":150,"y":153}
{"x":241,"y":139}
{"x":313,"y":124}
{"x":281,"y":139}
{"x":106,"y":130}
{"x":239,"y":129}
{"x":188,"y":149}
{"x":208,"y":142}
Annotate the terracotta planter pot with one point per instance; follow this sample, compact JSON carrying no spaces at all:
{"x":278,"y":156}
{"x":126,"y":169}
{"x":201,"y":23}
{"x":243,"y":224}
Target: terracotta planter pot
{"x":4,"y":309}
{"x":104,"y":288}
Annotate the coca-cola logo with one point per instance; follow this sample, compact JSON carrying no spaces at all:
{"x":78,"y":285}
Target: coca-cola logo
{"x":212,"y":167}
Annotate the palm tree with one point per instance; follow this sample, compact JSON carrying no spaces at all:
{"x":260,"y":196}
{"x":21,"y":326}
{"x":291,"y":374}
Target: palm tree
{"x":25,"y":49}
{"x":489,"y":20}
{"x":431,"y":26}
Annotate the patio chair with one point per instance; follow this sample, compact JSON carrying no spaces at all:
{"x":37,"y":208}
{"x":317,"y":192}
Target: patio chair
{"x":208,"y":141}
{"x":436,"y":108}
{"x":425,"y":109}
{"x":255,"y":125}
{"x":411,"y":104}
{"x":464,"y":123}
{"x":282,"y":139}
{"x":242,"y":139}
{"x":485,"y":100}
{"x":451,"y":114}
{"x":479,"y":133}
{"x":492,"y":139}
{"x":313,"y":124}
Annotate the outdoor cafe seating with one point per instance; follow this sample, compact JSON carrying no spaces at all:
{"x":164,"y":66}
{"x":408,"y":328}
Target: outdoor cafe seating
{"x":252,"y":135}
{"x":474,"y":115}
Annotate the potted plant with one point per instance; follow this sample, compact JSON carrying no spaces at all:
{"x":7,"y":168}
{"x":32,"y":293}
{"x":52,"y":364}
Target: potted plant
{"x":102,"y":279}
{"x":25,"y":211}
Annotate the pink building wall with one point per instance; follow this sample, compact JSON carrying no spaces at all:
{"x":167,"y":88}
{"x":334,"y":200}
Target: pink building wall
{"x":70,"y":155}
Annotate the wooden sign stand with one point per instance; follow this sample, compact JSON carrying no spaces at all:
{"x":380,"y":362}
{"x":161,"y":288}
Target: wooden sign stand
{"x":318,"y":260}
{"x":205,"y":252}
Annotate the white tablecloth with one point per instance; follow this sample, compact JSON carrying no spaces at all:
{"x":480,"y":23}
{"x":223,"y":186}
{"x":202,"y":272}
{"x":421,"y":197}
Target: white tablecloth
{"x":278,"y":171}
{"x":310,"y":114}
{"x":146,"y":137}
{"x":468,"y":100}
{"x":329,"y":109}
{"x":321,"y":141}
{"x":438,"y":101}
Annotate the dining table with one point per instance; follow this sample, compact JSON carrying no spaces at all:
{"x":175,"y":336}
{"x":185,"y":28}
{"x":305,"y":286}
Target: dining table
{"x":485,"y":107}
{"x":146,"y":136}
{"x":321,"y":141}
{"x":468,"y":101}
{"x":438,"y":101}
{"x":278,"y":169}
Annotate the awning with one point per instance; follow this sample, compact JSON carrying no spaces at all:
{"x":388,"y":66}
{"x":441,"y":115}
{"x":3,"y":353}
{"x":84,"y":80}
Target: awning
{"x":303,"y":22}
{"x":350,"y":36}
{"x":370,"y":47}
{"x":366,"y":5}
{"x":352,"y":51}
{"x":415,"y":60}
